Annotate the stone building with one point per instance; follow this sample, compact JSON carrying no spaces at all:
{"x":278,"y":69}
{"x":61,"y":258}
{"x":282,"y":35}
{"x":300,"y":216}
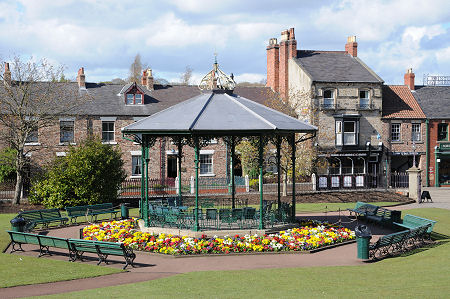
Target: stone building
{"x":338,"y":93}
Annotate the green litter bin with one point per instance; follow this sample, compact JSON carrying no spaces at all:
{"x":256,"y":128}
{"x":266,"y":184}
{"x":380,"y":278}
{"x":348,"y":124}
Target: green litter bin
{"x":124,"y":212}
{"x":363,"y":236}
{"x":18,"y":224}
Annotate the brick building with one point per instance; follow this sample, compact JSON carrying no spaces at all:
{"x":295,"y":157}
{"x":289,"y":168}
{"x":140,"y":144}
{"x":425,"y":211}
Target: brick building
{"x":404,"y":128}
{"x":337,"y":92}
{"x":435,"y":103}
{"x":114,"y":106}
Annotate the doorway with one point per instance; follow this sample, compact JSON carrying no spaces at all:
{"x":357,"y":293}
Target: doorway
{"x":171,"y":166}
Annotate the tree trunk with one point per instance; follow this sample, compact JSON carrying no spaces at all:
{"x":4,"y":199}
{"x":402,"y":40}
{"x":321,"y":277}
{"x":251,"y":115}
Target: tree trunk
{"x":19,"y":187}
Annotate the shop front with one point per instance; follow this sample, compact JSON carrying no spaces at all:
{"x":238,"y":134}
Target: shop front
{"x":442,"y":162}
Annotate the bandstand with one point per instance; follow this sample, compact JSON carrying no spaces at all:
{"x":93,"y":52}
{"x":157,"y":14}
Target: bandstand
{"x":217,"y":113}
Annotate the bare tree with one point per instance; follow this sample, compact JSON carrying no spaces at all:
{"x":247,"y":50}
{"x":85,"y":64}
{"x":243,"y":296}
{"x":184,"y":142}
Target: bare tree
{"x":30,"y":99}
{"x":135,"y":69}
{"x":187,"y":75}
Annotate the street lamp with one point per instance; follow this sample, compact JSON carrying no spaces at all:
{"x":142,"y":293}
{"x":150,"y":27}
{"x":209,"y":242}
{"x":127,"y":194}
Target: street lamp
{"x":414,"y":153}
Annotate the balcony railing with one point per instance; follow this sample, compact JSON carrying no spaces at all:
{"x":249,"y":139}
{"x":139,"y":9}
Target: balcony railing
{"x":364,"y":106}
{"x":324,"y":106}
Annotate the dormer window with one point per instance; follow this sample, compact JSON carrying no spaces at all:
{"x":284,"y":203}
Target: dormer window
{"x":134,"y":99}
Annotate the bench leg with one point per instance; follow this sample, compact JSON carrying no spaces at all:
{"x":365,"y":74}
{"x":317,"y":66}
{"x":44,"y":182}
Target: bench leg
{"x":129,"y":260}
{"x":43,"y":250}
{"x":13,"y":247}
{"x":102,"y":258}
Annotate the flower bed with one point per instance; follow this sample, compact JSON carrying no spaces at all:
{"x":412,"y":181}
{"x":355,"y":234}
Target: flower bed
{"x":308,"y":237}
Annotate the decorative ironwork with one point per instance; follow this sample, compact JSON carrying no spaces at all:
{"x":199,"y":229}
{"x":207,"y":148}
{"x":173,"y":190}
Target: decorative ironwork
{"x":429,"y":80}
{"x":217,"y":79}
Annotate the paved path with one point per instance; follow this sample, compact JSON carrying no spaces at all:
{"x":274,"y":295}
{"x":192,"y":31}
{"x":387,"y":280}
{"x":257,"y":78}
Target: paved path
{"x":440,"y":197}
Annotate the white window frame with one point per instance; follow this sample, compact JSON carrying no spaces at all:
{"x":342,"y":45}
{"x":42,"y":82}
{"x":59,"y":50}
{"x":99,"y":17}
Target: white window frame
{"x":399,"y":132}
{"x":338,"y":132}
{"x":136,"y":156}
{"x":354,"y":133}
{"x":328,"y":103}
{"x":128,"y":97}
{"x":210,"y":170}
{"x":416,"y":135}
{"x":112,"y":141}
{"x":366,"y":104}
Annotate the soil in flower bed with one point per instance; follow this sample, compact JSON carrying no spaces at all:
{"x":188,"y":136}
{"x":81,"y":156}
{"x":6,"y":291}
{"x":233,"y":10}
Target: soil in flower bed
{"x":7,"y":207}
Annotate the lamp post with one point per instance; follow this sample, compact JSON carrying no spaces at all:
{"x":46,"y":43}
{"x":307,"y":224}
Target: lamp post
{"x":414,"y":153}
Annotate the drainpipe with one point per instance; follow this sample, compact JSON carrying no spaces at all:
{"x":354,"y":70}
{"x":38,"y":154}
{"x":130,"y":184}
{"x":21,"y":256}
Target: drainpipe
{"x":427,"y":154}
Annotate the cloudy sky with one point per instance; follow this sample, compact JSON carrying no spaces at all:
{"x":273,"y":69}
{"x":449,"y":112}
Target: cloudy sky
{"x":105,"y":35}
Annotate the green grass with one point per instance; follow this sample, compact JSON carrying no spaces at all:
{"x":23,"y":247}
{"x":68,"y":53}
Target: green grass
{"x":422,"y":273}
{"x":22,"y":270}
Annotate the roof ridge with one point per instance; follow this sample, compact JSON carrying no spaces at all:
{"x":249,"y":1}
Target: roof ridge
{"x":201,"y":112}
{"x":252,"y":112}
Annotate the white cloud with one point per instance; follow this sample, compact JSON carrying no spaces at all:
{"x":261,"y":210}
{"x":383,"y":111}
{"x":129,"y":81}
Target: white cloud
{"x":249,"y":77}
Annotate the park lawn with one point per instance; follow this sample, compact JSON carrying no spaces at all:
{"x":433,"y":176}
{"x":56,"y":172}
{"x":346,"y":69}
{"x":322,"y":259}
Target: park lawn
{"x":21,"y":270}
{"x":422,"y":274}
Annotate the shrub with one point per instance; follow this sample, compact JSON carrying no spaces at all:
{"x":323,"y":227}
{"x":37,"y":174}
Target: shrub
{"x":7,"y":164}
{"x":253,"y":183}
{"x":91,"y":173}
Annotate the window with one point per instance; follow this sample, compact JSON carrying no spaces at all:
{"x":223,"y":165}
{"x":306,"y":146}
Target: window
{"x":134,"y":98}
{"x":442,"y":132}
{"x":328,"y":99}
{"x":349,"y":133}
{"x":338,"y":132}
{"x":107,"y":131}
{"x":136,"y":165}
{"x":395,"y":132}
{"x":32,"y":137}
{"x":415,"y":131}
{"x":364,"y":99}
{"x":206,"y":164}
{"x":66,"y":131}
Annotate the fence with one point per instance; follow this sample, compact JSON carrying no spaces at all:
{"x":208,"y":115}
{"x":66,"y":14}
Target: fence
{"x":349,"y":181}
{"x":399,"y":180}
{"x":8,"y":188}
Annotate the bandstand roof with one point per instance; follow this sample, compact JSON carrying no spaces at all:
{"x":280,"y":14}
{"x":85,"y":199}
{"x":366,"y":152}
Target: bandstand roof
{"x":221,"y":113}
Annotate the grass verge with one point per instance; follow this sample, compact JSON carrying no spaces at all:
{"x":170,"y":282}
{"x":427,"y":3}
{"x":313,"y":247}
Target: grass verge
{"x":17,"y":269}
{"x":421,"y":273}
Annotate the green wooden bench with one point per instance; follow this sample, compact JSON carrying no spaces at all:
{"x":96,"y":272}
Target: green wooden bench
{"x":364,"y":209}
{"x":412,"y":221}
{"x":388,"y":244}
{"x":44,"y":217}
{"x":102,"y":249}
{"x":91,"y":210}
{"x":375,"y":213}
{"x":44,"y":242}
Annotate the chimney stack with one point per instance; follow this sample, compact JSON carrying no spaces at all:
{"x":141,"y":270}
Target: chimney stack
{"x":81,"y":79}
{"x":7,"y":75}
{"x":144,"y":78}
{"x":351,"y":47}
{"x":149,"y":79}
{"x":409,"y":79}
{"x":288,"y":49}
{"x":273,"y":64}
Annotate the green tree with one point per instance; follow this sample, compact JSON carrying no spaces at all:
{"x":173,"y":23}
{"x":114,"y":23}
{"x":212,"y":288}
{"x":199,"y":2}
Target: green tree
{"x":89,"y":174}
{"x":7,"y":164}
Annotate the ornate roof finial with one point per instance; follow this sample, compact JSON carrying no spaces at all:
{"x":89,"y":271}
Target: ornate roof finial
{"x":216,"y":79}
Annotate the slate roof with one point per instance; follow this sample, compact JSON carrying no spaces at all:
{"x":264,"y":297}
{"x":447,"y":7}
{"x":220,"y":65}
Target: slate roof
{"x":219,"y":113}
{"x":106,"y":101}
{"x":399,"y":102}
{"x":434,"y":101}
{"x":335,"y":66}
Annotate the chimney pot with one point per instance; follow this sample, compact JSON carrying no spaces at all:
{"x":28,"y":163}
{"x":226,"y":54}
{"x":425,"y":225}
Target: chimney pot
{"x":284,"y":35}
{"x":351,"y":47}
{"x":409,"y":79}
{"x":291,"y":34}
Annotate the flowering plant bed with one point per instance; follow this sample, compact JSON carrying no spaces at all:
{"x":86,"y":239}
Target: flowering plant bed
{"x":305,"y":238}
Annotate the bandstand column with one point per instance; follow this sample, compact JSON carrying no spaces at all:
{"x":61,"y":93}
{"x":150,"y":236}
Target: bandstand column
{"x":180,"y":155}
{"x":261,"y":210}
{"x":233,"y":190}
{"x":196,"y":150}
{"x":293,"y":176}
{"x":278,"y":171}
